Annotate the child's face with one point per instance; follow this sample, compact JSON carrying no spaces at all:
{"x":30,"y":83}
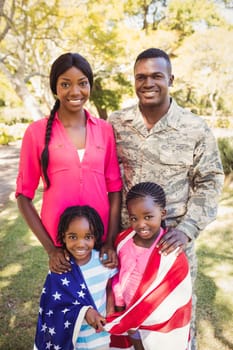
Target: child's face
{"x":145,"y":217}
{"x":79,"y":240}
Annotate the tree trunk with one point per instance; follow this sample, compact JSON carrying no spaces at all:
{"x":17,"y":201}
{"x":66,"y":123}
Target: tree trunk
{"x":102,"y":112}
{"x":30,"y":103}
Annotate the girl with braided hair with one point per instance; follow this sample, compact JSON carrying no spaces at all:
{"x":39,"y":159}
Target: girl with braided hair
{"x":74,"y":154}
{"x":152,"y":291}
{"x":73,"y":305}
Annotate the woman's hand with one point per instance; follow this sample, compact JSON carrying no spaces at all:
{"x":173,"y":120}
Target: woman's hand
{"x":59,"y":260}
{"x":108,"y":256}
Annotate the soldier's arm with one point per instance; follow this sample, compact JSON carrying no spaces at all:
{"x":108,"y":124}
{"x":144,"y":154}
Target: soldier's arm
{"x":206,"y":187}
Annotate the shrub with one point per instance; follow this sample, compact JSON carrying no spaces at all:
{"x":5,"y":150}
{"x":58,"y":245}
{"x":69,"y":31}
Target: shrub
{"x":225,"y":145}
{"x":5,"y":138}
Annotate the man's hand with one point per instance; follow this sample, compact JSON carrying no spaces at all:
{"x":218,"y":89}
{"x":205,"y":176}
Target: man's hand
{"x":59,"y":260}
{"x":95,"y":320}
{"x":172,"y":240}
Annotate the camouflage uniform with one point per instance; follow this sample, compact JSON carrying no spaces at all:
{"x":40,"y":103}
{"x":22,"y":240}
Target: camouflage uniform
{"x":180,"y":154}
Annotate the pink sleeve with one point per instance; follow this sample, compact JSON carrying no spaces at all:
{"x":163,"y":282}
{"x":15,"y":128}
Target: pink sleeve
{"x":112,"y":169}
{"x":29,"y":165}
{"x":119,"y":301}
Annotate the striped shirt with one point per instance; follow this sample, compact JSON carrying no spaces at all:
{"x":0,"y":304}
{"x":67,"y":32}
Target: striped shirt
{"x":96,"y":277}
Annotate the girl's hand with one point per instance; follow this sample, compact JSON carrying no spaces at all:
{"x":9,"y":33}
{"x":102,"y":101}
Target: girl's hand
{"x":95,"y":320}
{"x":59,"y":260}
{"x":108,"y":256}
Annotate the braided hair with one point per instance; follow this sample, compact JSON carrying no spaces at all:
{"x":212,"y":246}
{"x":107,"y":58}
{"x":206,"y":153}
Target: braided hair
{"x":78,"y":211}
{"x":144,"y":189}
{"x":59,"y":66}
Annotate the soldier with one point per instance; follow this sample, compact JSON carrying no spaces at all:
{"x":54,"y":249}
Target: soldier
{"x":161,"y":142}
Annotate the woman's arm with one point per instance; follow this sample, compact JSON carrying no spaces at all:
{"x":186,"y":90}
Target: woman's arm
{"x":113,"y":230}
{"x":114,"y":217}
{"x":58,"y":263}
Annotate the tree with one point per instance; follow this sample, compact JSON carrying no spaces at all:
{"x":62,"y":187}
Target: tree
{"x":187,"y":16}
{"x":205,"y":59}
{"x":146,"y":13}
{"x":28,"y":38}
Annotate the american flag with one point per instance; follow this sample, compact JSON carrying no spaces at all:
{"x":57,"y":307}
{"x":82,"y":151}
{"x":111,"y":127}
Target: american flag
{"x":63,"y":304}
{"x":161,"y":306}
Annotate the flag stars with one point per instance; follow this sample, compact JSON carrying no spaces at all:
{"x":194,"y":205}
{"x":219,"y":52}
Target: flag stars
{"x":82,"y":285}
{"x":57,"y":347}
{"x":52,"y":331}
{"x":65,"y":310}
{"x":44,"y":327}
{"x":81,"y":294}
{"x":48,"y":345}
{"x":65,"y":282}
{"x":40,"y":310}
{"x":57,"y":296}
{"x":49,"y":313}
{"x":43,"y":291}
{"x":67,"y":324}
{"x":76,"y":302}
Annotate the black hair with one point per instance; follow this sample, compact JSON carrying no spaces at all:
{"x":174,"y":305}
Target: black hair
{"x":144,"y":189}
{"x":78,"y":211}
{"x":59,"y":66}
{"x":154,"y":53}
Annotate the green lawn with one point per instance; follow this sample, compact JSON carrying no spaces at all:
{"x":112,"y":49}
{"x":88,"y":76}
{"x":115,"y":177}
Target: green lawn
{"x":24,"y":266}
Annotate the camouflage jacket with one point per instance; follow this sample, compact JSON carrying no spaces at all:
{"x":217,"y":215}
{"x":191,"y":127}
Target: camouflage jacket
{"x":180,"y":153}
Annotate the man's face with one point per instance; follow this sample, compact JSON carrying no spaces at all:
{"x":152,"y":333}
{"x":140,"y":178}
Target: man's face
{"x":152,"y":81}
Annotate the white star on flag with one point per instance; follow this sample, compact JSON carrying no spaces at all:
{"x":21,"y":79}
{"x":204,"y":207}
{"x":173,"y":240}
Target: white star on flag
{"x":48,"y":345}
{"x":52,"y":331}
{"x":81,"y":294}
{"x":44,"y":327}
{"x":83,"y":286}
{"x":65,"y":281}
{"x":57,"y":296}
{"x":57,"y":347}
{"x":65,"y":310}
{"x":67,"y":324}
{"x":49,"y":313}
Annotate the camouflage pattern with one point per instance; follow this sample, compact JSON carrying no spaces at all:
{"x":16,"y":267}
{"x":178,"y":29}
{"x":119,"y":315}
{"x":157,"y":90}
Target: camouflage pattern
{"x":180,"y":153}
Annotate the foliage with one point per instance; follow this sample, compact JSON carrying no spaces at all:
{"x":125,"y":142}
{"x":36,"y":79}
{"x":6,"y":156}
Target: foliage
{"x":147,"y":14}
{"x":204,"y":65}
{"x":5,"y":138}
{"x":185,"y":16}
{"x":226,"y":151}
{"x":214,"y":283}
{"x":110,"y":34}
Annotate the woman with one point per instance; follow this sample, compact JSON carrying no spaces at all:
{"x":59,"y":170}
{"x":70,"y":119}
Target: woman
{"x":75,"y":156}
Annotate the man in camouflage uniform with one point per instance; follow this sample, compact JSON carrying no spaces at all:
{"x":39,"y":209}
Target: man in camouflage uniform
{"x":159,"y":141}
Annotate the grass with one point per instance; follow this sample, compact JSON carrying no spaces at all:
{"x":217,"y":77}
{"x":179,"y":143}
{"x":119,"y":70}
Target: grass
{"x":24,"y":266}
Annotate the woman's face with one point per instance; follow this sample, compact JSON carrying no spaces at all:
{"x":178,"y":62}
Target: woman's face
{"x":73,"y":90}
{"x":79,"y":240}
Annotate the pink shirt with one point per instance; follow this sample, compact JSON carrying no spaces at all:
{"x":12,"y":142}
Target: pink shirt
{"x":133,"y":260}
{"x":72,"y":182}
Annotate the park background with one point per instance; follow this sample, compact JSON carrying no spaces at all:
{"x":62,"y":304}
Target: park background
{"x":198,"y":36}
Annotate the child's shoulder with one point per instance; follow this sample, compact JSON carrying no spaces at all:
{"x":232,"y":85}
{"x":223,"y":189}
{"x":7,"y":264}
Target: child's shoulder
{"x":123,"y":235}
